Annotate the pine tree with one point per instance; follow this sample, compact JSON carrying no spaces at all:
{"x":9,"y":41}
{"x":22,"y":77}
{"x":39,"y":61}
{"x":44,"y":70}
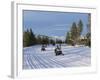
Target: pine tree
{"x":80,"y":27}
{"x":88,"y":35}
{"x":32,"y":37}
{"x":74,"y":32}
{"x":79,"y":31}
{"x":28,"y":38}
{"x":68,"y":38}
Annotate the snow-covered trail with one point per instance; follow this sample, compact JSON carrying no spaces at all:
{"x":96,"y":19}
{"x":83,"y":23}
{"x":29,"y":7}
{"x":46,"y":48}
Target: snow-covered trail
{"x":34,"y":58}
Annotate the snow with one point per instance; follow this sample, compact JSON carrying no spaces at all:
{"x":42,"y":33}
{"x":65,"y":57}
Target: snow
{"x":74,"y":56}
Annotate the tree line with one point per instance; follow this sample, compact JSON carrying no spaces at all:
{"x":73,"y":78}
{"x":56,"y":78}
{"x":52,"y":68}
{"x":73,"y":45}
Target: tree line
{"x":74,"y":34}
{"x":29,"y":39}
{"x":73,"y":37}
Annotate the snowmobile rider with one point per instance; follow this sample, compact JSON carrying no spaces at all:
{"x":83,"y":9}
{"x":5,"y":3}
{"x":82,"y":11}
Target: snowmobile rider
{"x":58,"y":50}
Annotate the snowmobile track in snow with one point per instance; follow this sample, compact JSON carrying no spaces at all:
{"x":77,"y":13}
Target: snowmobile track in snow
{"x":34,"y":58}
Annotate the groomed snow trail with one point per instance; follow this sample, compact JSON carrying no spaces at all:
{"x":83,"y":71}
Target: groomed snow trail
{"x":34,"y":58}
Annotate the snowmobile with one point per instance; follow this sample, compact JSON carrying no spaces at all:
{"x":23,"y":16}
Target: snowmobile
{"x":58,"y":51}
{"x":43,"y":48}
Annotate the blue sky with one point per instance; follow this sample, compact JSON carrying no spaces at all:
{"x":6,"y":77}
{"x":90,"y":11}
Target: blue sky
{"x":52,"y":23}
